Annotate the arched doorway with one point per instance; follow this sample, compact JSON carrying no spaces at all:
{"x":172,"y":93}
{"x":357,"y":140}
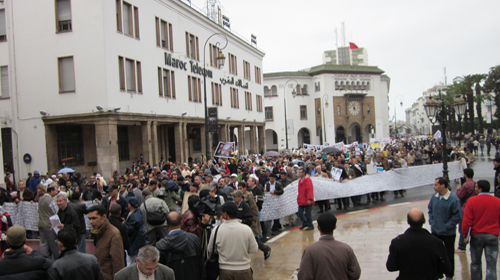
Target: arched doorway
{"x":303,"y":137}
{"x":355,"y":133}
{"x":340,"y":134}
{"x":369,"y":132}
{"x":271,"y":140}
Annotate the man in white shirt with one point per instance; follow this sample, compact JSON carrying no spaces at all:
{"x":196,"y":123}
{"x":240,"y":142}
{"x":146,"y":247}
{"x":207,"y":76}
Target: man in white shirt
{"x":234,"y":243}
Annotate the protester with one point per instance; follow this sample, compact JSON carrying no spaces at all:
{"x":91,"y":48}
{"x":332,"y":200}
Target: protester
{"x":112,"y":198}
{"x":464,"y":192}
{"x":155,"y":229}
{"x":417,"y":254}
{"x":234,"y":244}
{"x":482,"y":220}
{"x":108,"y":242}
{"x":118,"y":222}
{"x":181,"y":250}
{"x":20,"y":261}
{"x":305,"y":200}
{"x":24,"y":194}
{"x":328,"y":258}
{"x":146,"y":265}
{"x":73,"y":265}
{"x":47,"y":207}
{"x":444,"y":215}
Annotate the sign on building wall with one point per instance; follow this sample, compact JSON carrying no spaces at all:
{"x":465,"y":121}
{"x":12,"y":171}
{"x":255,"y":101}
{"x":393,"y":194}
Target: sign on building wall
{"x":213,"y":120}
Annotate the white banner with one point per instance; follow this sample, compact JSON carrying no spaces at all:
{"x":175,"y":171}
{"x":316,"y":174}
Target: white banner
{"x":437,"y":135}
{"x":279,"y":206}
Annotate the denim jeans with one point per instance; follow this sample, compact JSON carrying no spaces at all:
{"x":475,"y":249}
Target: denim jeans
{"x":461,"y":242}
{"x":82,"y":245}
{"x":307,"y":219}
{"x":488,"y":242}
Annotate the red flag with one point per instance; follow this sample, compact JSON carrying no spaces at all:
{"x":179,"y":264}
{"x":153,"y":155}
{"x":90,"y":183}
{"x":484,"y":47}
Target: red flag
{"x":352,"y":46}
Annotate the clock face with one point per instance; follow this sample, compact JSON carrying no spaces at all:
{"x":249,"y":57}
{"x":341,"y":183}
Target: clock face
{"x":354,"y":108}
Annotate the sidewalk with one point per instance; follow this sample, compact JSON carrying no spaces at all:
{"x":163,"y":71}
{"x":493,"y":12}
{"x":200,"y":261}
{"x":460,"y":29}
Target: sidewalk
{"x":368,"y":232}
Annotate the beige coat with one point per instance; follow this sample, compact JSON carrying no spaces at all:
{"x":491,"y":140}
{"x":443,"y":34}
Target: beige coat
{"x":250,"y":200}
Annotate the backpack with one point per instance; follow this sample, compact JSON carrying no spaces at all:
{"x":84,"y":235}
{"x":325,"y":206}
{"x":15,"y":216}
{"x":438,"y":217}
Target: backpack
{"x":154,"y":218}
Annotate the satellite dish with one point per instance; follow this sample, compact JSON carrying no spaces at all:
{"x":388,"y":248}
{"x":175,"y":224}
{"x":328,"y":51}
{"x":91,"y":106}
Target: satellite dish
{"x":27,"y":158}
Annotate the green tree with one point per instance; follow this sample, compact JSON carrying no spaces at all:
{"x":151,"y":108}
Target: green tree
{"x":492,"y":84}
{"x":478,"y":79}
{"x":468,"y":82}
{"x":457,"y":89}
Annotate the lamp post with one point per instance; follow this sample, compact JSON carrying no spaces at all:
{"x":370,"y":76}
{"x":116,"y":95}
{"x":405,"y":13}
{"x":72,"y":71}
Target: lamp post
{"x":437,"y":111}
{"x":220,"y":63}
{"x":325,"y":99}
{"x":401,"y":98}
{"x":284,"y":101}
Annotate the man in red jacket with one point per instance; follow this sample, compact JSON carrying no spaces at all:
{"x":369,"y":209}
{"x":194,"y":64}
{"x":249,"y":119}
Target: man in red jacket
{"x":305,"y":200}
{"x":482,"y":220}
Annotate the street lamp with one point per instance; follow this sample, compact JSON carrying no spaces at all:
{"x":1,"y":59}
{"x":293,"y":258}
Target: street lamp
{"x":401,"y":98}
{"x":437,"y":111}
{"x":325,"y":99}
{"x":460,"y":108}
{"x":220,"y":63}
{"x":284,"y":101}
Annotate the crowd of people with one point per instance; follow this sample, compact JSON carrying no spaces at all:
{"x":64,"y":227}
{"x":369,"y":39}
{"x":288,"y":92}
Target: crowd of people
{"x":167,"y":219}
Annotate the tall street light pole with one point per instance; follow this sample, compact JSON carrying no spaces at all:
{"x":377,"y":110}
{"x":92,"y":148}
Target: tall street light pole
{"x":284,"y":104}
{"x":325,"y":99}
{"x":401,"y":98}
{"x":220,"y":63}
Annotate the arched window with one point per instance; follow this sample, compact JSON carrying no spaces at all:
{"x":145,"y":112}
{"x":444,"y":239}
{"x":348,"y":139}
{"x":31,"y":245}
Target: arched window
{"x":342,"y":85}
{"x":336,"y":85}
{"x":368,"y":109}
{"x":368,"y":86}
{"x":297,"y":89}
{"x":363,"y":86}
{"x":274,"y":90}
{"x":347,"y":86}
{"x":266,"y":91}
{"x":358,"y":86}
{"x":338,"y":110}
{"x":304,"y":89}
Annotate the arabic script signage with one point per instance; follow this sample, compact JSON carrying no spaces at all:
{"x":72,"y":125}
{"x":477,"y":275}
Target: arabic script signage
{"x":231,"y":81}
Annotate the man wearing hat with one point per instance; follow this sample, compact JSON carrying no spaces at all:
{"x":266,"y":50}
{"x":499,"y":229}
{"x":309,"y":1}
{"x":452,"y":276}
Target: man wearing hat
{"x":21,"y":261}
{"x":135,"y":229}
{"x":234,"y":243}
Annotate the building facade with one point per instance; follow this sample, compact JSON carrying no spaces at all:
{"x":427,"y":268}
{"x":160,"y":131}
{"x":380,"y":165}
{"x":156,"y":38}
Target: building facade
{"x":326,"y":104}
{"x":100,"y":84}
{"x":346,"y":56}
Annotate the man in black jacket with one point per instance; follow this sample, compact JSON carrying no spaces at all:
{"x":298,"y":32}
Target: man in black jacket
{"x":273,"y":187}
{"x":116,"y":220}
{"x":80,"y":210}
{"x":73,"y":265}
{"x":417,"y":254}
{"x":91,"y":193}
{"x":21,"y":261}
{"x":67,"y":215}
{"x":113,"y":198}
{"x":181,"y":251}
{"x":244,"y":211}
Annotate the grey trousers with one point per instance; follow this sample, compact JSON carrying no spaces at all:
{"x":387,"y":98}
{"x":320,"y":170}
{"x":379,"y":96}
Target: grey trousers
{"x":246,"y":274}
{"x":48,"y":245}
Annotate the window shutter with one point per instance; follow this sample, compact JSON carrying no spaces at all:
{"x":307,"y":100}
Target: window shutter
{"x":67,"y":74}
{"x":5,"y":81}
{"x":63,"y":10}
{"x":126,"y":19}
{"x":3,"y":30}
{"x":130,"y":75}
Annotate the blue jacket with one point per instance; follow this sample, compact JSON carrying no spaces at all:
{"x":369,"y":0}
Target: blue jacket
{"x":136,"y":232}
{"x":34,"y":181}
{"x":444,"y":214}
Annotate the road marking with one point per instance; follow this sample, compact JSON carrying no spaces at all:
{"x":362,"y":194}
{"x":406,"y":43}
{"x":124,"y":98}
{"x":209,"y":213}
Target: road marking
{"x":399,"y":204}
{"x":359,"y":211}
{"x":277,"y":237}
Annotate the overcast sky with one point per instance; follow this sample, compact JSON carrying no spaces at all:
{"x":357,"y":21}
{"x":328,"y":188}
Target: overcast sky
{"x":412,"y":41}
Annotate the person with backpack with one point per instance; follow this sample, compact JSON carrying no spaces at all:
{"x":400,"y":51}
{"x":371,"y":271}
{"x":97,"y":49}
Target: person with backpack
{"x":154,"y":211}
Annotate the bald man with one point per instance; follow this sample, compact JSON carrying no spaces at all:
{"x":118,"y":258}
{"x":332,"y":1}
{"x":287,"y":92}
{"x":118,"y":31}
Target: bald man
{"x":417,"y":254}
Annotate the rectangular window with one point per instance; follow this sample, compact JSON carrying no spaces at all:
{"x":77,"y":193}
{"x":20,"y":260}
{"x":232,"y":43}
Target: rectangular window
{"x":63,"y":15}
{"x":248,"y":101}
{"x":128,"y":27}
{"x":66,"y":74}
{"x":123,"y":146}
{"x":192,"y":46}
{"x":246,"y":70}
{"x":258,"y":75}
{"x":194,"y":89}
{"x":121,"y":69}
{"x":269,"y":113}
{"x":233,"y":64}
{"x":214,"y":53}
{"x":258,"y":101}
{"x":5,"y":81}
{"x":216,"y":94}
{"x":3,"y":29}
{"x":303,"y":112}
{"x":164,"y":34}
{"x":119,"y":15}
{"x":139,"y":76}
{"x":166,"y":83}
{"x":235,"y":102}
{"x":70,"y":143}
{"x":136,"y":22}
{"x":130,"y":74}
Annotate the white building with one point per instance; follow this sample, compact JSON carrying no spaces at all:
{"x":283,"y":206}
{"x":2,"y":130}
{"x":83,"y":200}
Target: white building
{"x":346,"y":56}
{"x":332,"y":103}
{"x":117,"y":80}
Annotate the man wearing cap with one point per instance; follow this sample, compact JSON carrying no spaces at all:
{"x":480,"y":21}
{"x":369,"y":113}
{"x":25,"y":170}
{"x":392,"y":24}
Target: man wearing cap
{"x":112,"y":198}
{"x":234,"y":243}
{"x":135,"y":230}
{"x":234,"y":181}
{"x":34,"y":181}
{"x":73,"y":265}
{"x":47,"y":207}
{"x":20,"y":261}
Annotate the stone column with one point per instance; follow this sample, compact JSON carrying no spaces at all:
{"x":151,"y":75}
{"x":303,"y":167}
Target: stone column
{"x":253,"y":140}
{"x":262,"y":139}
{"x":202,"y":136}
{"x":51,"y":146}
{"x":146,"y":142}
{"x":241,"y":140}
{"x":106,"y":133}
{"x":223,"y":133}
{"x":179,"y":141}
{"x":186,"y":143}
{"x":156,"y":153}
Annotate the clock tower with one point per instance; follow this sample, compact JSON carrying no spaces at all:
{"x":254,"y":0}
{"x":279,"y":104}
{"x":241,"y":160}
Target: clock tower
{"x":354,"y":117}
